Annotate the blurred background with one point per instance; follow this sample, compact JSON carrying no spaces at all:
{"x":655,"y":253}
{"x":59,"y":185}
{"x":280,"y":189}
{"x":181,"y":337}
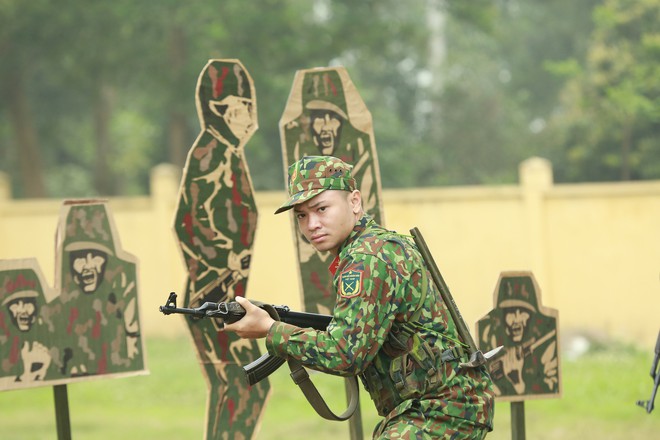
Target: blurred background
{"x":94,"y":94}
{"x":95,"y":97}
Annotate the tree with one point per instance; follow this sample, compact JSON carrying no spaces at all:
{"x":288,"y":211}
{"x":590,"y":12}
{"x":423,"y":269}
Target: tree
{"x":14,"y":27}
{"x":609,"y":126}
{"x":95,"y":95}
{"x":497,"y":92}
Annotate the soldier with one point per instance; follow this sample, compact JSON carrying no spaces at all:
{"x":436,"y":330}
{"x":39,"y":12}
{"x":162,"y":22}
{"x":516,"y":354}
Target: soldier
{"x":389,"y":326}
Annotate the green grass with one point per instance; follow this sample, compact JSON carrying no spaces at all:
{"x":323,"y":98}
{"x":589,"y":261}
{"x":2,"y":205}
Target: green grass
{"x":598,"y":402}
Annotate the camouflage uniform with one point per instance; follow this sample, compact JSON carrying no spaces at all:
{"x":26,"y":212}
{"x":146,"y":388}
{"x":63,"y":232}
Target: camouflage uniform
{"x":390,"y":327}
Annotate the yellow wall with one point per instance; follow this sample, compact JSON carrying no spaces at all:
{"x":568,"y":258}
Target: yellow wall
{"x":594,"y":248}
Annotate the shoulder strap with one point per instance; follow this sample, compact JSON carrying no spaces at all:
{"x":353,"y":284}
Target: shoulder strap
{"x":420,"y":305}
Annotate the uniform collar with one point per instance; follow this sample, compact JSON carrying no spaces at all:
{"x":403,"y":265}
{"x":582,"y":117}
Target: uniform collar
{"x":360,"y":226}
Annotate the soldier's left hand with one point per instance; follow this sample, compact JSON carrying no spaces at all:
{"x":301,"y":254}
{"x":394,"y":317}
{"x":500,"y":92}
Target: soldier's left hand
{"x":255,"y":324}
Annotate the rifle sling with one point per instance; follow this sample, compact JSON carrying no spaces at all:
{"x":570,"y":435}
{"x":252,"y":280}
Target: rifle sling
{"x":301,"y":378}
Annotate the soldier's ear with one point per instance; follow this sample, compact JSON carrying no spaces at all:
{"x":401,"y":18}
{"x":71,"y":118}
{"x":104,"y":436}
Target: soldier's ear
{"x":355,"y":199}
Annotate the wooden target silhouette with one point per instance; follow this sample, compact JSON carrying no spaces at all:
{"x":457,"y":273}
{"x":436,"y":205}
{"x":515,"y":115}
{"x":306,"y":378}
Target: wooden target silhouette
{"x":528,"y":366}
{"x":215,"y":224}
{"x":87,"y":326}
{"x":325,"y":116}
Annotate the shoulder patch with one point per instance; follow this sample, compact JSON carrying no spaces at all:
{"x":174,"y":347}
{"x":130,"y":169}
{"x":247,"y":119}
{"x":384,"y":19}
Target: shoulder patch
{"x":350,"y":284}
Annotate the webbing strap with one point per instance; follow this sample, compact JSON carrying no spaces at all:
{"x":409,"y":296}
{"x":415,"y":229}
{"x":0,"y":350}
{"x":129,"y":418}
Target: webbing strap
{"x":301,"y":378}
{"x":420,"y":305}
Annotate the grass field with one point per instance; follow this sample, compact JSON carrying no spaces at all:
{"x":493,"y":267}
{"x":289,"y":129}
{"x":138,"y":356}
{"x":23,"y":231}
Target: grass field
{"x":598,"y":402}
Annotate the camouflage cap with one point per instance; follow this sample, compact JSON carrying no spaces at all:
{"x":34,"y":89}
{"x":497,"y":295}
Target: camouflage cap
{"x":312,"y":175}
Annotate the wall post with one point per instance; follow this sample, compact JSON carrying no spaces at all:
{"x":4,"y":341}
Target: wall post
{"x":5,"y":187}
{"x":164,"y":193}
{"x":536,"y":180}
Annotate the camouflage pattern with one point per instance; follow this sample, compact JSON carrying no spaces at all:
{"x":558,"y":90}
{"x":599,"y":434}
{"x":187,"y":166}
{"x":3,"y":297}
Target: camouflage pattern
{"x":88,"y":325}
{"x":29,"y":345}
{"x":312,"y":175}
{"x":528,"y":366}
{"x":215,"y":223}
{"x":325,"y":115}
{"x":379,"y":279}
{"x":416,"y":426}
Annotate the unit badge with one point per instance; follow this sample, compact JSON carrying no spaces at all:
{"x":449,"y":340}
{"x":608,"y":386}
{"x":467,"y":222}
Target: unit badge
{"x":351,"y":283}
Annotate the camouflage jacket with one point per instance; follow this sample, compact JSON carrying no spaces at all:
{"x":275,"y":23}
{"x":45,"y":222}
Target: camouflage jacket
{"x":379,"y":279}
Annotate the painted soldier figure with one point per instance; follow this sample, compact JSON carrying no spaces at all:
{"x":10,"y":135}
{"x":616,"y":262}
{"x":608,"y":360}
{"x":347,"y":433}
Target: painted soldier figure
{"x":24,"y":353}
{"x":99,"y":295}
{"x":390,"y":326}
{"x":528,"y":366}
{"x":326,"y":116}
{"x":215,"y":223}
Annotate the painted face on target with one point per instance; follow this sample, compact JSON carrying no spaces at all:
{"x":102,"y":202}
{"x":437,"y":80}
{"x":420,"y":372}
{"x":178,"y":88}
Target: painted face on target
{"x":87,"y":268}
{"x":23,"y":312}
{"x":516,"y":320}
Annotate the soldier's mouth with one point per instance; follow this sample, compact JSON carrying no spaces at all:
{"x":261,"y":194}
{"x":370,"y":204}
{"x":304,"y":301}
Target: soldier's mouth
{"x":317,"y":238}
{"x":327,"y":140}
{"x":517,"y":330}
{"x":88,"y":278}
{"x":89,"y":281}
{"x":23,"y":321}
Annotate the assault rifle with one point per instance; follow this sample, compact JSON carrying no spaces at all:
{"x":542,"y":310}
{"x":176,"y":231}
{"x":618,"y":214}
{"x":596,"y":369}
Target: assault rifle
{"x":230,"y":312}
{"x":655,"y":375}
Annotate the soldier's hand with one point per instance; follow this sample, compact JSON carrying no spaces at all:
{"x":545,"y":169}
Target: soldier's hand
{"x":255,"y":323}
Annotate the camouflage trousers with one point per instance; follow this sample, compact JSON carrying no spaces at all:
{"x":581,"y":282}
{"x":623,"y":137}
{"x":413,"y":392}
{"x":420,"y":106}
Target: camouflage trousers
{"x":413,"y":425}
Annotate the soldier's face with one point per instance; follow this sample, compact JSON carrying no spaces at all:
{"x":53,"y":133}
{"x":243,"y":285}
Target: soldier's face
{"x":87,"y":268}
{"x":328,"y":219}
{"x":237,"y":113}
{"x":23,"y":313}
{"x":516,"y":322}
{"x":326,"y":131}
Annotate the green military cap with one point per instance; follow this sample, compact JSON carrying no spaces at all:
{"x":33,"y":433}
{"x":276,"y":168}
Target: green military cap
{"x":312,"y":175}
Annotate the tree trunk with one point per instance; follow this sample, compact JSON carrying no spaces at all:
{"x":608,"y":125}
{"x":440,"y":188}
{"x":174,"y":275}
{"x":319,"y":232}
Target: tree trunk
{"x":178,"y":141}
{"x":626,"y":147}
{"x":104,"y":183}
{"x":27,"y":144}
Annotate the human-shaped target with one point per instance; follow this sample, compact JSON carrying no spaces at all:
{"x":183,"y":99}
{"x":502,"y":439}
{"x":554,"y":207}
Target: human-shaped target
{"x":215,"y":224}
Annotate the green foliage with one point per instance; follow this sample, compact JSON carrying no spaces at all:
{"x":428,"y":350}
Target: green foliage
{"x":465,"y":90}
{"x":611,"y":107}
